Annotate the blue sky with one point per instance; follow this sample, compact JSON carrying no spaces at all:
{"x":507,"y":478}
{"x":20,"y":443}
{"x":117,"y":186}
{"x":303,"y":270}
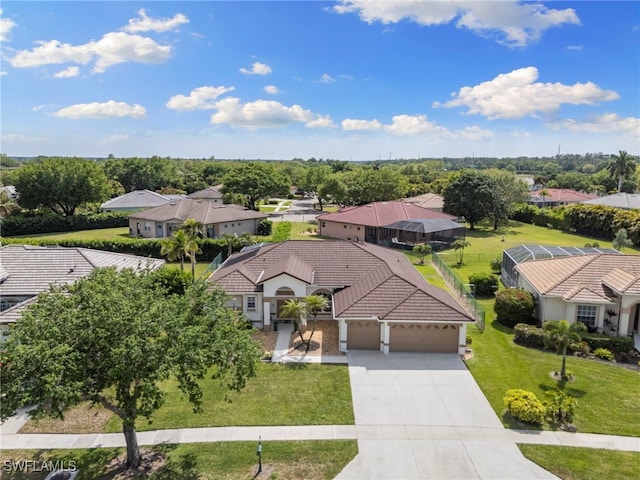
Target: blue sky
{"x":351,"y":80}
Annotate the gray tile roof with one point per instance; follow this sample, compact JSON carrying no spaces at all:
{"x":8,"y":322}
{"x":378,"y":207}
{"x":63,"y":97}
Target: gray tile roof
{"x":205,"y":212}
{"x":211,"y":193}
{"x":619,"y":200}
{"x":370,"y":280}
{"x":138,"y":199}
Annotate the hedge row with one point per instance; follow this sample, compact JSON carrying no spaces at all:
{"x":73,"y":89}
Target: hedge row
{"x":603,"y":222}
{"x":532,"y":336}
{"x":51,"y":222}
{"x":541,"y":217}
{"x":142,"y":247}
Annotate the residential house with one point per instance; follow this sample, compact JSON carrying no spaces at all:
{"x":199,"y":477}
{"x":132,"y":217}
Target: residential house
{"x":432,"y":201}
{"x":162,"y":221}
{"x":555,"y":197}
{"x":211,"y":194}
{"x":137,"y":200}
{"x":600,"y":290}
{"x":395,"y":223}
{"x":378,"y":298}
{"x":626,"y":201}
{"x":27,"y":270}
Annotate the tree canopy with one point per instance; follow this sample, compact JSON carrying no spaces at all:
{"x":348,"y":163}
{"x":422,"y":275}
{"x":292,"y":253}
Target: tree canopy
{"x":112,"y":338}
{"x":61,"y":184}
{"x":471,"y":195}
{"x":256,"y":181}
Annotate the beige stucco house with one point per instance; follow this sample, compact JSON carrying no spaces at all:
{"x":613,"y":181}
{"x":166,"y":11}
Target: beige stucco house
{"x":602,"y":290}
{"x":376,"y":296}
{"x":218,"y":220}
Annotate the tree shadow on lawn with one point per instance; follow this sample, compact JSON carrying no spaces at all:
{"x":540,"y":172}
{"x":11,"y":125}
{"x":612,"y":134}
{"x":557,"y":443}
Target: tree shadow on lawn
{"x":501,"y":328}
{"x":562,"y":385}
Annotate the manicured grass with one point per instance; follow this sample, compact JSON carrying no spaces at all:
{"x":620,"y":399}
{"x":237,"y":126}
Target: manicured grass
{"x":499,"y":364}
{"x":289,"y":394}
{"x":200,"y":267}
{"x":301,"y":231}
{"x":573,"y":463}
{"x":313,"y":460}
{"x":100,"y":234}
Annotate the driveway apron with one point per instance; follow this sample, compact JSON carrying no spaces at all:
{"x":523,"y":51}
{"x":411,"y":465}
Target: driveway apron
{"x":420,"y":405}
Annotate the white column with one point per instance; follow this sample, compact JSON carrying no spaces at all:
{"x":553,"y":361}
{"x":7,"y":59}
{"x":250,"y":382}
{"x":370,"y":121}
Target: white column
{"x":385,"y":335}
{"x":462,"y":339}
{"x":266,"y":315}
{"x":342,"y":334}
{"x":623,"y":324}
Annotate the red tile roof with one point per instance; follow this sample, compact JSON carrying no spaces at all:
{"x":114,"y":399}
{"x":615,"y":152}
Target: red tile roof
{"x":379,"y":214}
{"x":369,"y":280}
{"x":562,"y":195}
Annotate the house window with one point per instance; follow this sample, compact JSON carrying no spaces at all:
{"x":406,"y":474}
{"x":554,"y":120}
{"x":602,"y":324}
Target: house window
{"x":344,"y":226}
{"x":587,"y":314}
{"x":251,"y":304}
{"x":147,"y":226}
{"x":324,"y":224}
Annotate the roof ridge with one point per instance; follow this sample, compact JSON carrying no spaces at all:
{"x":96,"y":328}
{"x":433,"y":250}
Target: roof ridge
{"x":574,"y":270}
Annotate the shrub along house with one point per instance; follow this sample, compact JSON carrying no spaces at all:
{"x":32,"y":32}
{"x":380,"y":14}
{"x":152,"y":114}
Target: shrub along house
{"x":378,"y":298}
{"x":601,"y":290}
{"x":162,"y":221}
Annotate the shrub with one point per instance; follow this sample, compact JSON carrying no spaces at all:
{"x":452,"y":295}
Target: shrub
{"x":615,"y":345}
{"x":560,"y":407}
{"x":281,"y":232}
{"x":485,"y":284}
{"x":264,"y":227}
{"x":604,"y":354}
{"x":524,"y":406}
{"x":53,"y":223}
{"x":496,"y":265}
{"x":581,"y":348}
{"x":529,"y":335}
{"x":514,"y":306}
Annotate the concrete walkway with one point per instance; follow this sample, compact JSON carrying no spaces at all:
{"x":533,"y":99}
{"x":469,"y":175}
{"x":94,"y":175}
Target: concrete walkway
{"x":280,"y":352}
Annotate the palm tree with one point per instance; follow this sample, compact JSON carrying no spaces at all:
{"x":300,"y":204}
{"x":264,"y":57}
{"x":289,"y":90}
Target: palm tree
{"x":561,"y":335}
{"x":194,"y":232}
{"x":230,"y":240}
{"x":175,"y":247}
{"x":459,"y":246}
{"x":315,"y":304}
{"x":621,"y":167}
{"x":544,"y":193}
{"x":422,"y":251}
{"x":296,"y":310}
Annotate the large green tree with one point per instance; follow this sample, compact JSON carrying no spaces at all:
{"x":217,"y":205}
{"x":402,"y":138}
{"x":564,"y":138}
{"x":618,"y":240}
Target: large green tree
{"x":255,"y":180}
{"x":471,"y":195}
{"x":112,"y":338}
{"x":508,"y":190}
{"x":621,"y":167}
{"x":312,"y":181}
{"x":61,"y":184}
{"x":144,"y":173}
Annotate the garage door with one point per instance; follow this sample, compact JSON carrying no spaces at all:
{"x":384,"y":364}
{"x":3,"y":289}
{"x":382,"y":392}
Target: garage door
{"x":416,"y":337}
{"x":363,"y":335}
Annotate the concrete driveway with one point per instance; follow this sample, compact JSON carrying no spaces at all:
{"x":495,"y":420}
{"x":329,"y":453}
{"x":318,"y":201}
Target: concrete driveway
{"x":432,"y":421}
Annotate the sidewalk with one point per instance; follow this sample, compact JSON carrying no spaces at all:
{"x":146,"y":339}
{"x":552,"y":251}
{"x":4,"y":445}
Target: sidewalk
{"x":321,"y":432}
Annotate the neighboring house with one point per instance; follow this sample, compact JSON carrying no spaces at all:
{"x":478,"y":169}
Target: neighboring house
{"x":431,"y":201}
{"x":378,"y":298}
{"x":162,"y":221}
{"x":385,"y":223}
{"x":137,"y":200}
{"x":555,"y":197}
{"x":526,"y":253}
{"x":27,"y":270}
{"x":211,"y":194}
{"x":602,"y":291}
{"x":10,"y":191}
{"x":627,"y":201}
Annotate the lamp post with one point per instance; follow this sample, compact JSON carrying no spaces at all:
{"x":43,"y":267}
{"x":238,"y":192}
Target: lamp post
{"x":259,"y":453}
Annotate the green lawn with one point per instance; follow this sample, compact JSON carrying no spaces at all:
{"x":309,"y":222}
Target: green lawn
{"x":499,"y":364}
{"x":304,"y":231}
{"x":573,"y":463}
{"x":313,"y":460}
{"x":100,"y":234}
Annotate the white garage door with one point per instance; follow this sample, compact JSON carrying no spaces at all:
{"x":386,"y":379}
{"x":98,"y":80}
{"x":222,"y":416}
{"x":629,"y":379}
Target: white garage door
{"x":363,"y":335}
{"x":420,"y":337}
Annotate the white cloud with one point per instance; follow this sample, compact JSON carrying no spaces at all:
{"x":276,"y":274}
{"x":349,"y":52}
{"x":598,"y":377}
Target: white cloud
{"x":201,"y":98}
{"x":513,"y":23}
{"x":3,"y":73}
{"x":6,"y":24}
{"x":146,"y":23}
{"x":415,"y":125}
{"x":257,"y":69}
{"x":355,"y":124}
{"x":264,"y":114}
{"x":68,"y":72}
{"x":111,"y":49}
{"x":272,"y":90}
{"x":326,"y":78}
{"x":110,"y":109}
{"x":575,"y":47}
{"x":606,"y":123}
{"x":516,"y":94}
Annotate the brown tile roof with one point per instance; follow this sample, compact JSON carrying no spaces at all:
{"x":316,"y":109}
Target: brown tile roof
{"x":202,"y":211}
{"x":211,"y":193}
{"x":562,"y":195}
{"x":371,"y":280}
{"x":379,"y":214}
{"x":583,"y":277}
